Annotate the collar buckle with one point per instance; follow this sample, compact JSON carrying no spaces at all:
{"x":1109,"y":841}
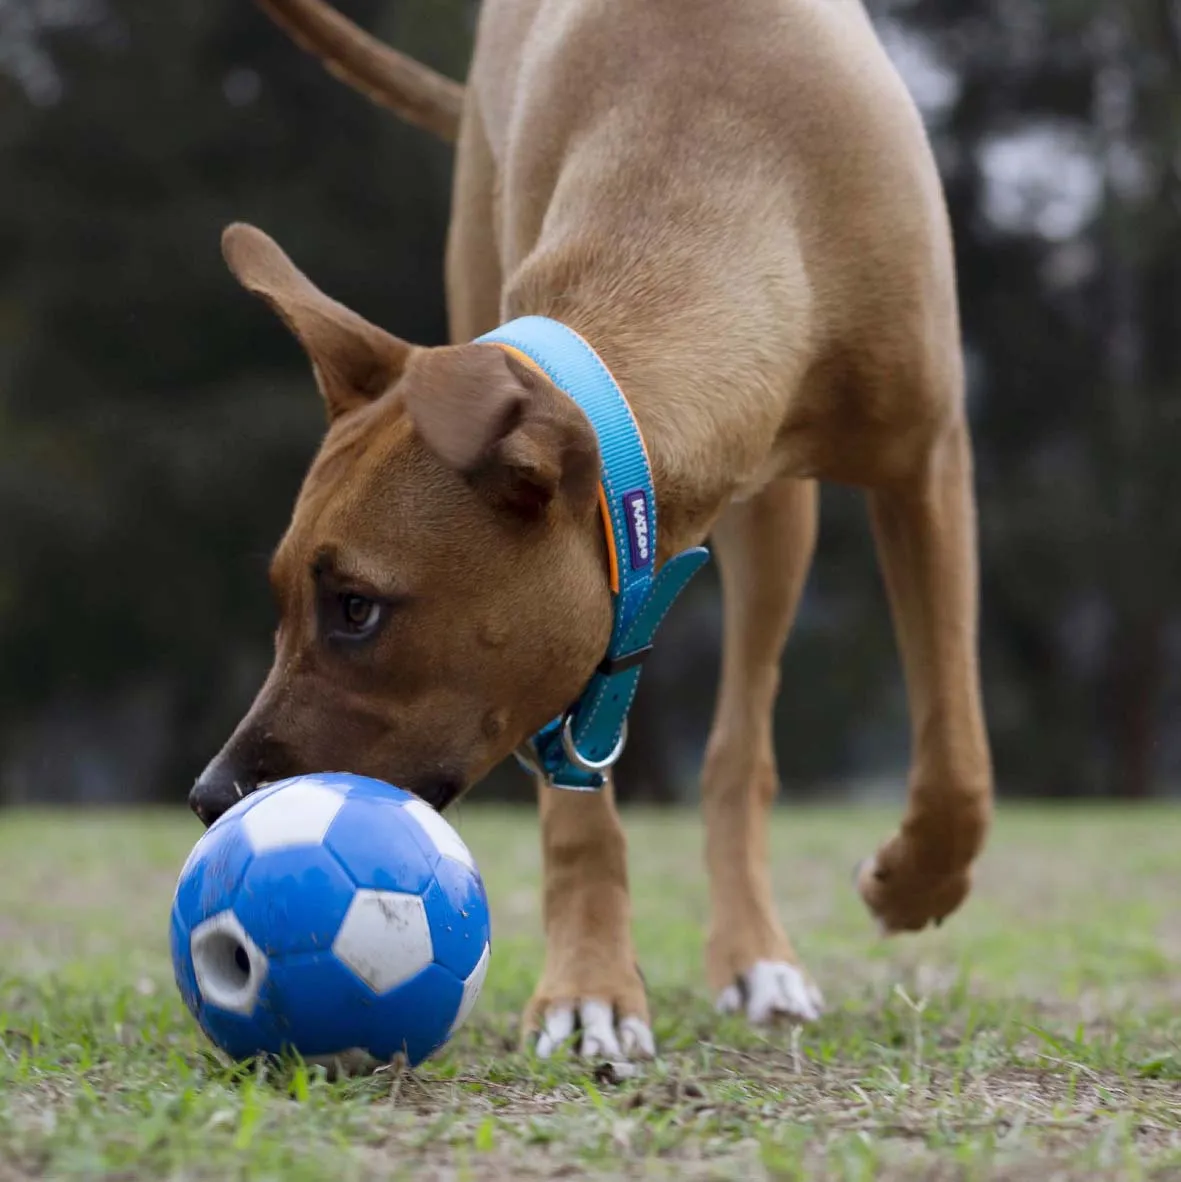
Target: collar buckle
{"x":609,"y":666}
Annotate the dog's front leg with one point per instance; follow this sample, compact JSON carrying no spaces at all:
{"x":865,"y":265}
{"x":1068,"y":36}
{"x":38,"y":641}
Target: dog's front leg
{"x":591,"y":996}
{"x":764,"y":548}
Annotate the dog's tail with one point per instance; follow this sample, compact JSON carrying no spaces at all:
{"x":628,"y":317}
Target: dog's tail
{"x":417,"y":93}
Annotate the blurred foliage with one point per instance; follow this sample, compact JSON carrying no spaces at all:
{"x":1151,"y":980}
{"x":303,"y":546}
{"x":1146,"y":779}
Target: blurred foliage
{"x":155,"y":421}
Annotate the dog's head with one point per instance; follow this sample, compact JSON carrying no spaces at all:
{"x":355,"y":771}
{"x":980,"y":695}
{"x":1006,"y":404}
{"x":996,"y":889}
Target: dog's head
{"x":442,"y":587}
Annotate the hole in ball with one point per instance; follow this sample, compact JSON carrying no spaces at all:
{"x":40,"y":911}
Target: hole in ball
{"x":226,"y":963}
{"x":230,"y":971}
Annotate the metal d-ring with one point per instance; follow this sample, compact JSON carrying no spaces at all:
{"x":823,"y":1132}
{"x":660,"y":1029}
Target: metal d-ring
{"x":526,"y":755}
{"x":579,"y":760}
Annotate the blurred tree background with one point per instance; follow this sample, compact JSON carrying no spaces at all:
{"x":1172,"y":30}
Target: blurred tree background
{"x":155,"y":421}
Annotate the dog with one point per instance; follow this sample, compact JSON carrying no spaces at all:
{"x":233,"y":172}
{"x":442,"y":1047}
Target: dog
{"x":736,"y":207}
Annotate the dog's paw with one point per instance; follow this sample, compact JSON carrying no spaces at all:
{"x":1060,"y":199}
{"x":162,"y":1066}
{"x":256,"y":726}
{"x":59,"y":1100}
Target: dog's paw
{"x":903,"y":900}
{"x":591,"y":1029}
{"x":771,"y":991}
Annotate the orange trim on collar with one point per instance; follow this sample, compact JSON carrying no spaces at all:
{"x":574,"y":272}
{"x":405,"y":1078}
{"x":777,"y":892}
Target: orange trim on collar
{"x":604,"y":510}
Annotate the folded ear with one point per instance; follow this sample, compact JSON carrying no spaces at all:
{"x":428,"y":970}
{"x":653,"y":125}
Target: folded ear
{"x":505,"y":427}
{"x":354,"y":361}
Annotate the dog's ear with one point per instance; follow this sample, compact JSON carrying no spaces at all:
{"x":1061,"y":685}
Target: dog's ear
{"x":354,"y":361}
{"x":505,"y":427}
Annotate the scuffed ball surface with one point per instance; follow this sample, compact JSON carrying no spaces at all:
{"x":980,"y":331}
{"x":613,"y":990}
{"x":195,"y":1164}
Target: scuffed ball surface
{"x":334,"y":915}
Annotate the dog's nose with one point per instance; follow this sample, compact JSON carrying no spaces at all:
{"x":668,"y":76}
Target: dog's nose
{"x":219,"y":787}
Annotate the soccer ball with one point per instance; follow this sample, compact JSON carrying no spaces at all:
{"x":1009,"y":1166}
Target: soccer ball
{"x":333,"y":915}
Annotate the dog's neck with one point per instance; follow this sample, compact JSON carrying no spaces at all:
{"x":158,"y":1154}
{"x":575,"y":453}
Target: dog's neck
{"x":673,"y":355}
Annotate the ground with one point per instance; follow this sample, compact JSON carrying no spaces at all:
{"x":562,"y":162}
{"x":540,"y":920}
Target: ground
{"x":1036,"y":1035}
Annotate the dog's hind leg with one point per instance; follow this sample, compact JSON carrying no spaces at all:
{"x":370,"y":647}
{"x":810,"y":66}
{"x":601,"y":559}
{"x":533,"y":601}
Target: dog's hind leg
{"x":925,"y":530}
{"x":591,"y":995}
{"x":764,"y":549}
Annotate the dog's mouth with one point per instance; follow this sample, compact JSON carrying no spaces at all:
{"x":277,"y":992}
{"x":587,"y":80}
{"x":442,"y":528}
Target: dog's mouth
{"x":215,"y":792}
{"x":439,"y":791}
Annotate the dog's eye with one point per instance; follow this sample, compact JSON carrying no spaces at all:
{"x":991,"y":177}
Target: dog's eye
{"x":359,"y":616}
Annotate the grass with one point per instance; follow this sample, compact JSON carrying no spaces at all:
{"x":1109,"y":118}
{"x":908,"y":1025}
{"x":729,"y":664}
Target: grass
{"x":1037,"y":1035}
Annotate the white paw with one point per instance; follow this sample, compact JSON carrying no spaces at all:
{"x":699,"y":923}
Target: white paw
{"x":601,"y":1036}
{"x":772,"y":990}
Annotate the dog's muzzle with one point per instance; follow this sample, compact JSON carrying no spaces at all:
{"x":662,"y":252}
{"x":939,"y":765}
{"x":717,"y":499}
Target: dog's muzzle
{"x":217,"y":790}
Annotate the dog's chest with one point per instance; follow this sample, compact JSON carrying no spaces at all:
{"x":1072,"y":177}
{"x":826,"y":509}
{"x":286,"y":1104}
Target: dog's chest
{"x":771,"y":468}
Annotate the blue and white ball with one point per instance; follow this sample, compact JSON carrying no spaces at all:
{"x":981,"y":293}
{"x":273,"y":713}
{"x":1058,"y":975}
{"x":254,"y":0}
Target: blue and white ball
{"x":332,"y":915}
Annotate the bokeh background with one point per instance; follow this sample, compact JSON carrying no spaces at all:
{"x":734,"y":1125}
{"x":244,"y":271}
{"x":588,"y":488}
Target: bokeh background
{"x":155,"y":420}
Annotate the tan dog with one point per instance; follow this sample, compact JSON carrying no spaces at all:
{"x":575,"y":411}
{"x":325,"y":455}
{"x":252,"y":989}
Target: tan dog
{"x":736,"y":205}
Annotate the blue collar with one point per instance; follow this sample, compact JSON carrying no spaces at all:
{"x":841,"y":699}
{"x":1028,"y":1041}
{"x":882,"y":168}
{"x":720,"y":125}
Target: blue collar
{"x":579,"y":747}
